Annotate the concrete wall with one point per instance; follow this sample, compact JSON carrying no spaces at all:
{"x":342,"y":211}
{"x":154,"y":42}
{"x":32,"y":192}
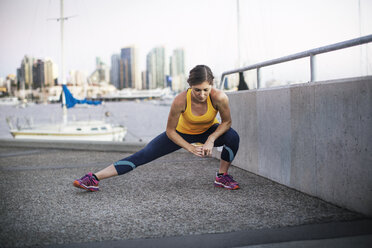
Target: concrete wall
{"x":316,"y":138}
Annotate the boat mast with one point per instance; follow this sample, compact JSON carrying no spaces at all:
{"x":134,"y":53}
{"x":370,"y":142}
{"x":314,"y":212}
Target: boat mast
{"x":238,"y":31}
{"x":63,"y":79}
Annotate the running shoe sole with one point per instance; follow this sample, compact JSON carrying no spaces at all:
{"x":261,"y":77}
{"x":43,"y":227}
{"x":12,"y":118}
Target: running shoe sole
{"x":82,"y":186}
{"x":220,"y":185}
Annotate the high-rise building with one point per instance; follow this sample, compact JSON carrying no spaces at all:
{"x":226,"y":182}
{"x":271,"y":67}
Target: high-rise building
{"x":99,"y":63}
{"x":50,"y":72}
{"x":24,"y":73}
{"x":103,"y":70}
{"x":20,"y":79}
{"x":101,"y":73}
{"x":128,"y":67}
{"x":77,"y":78}
{"x":38,"y":74}
{"x":145,"y":78}
{"x":115,"y":71}
{"x":155,"y":65}
{"x":177,"y":70}
{"x":11,"y":84}
{"x":150,"y":70}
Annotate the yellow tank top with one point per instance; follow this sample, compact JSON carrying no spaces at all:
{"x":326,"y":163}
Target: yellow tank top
{"x":193,"y":124}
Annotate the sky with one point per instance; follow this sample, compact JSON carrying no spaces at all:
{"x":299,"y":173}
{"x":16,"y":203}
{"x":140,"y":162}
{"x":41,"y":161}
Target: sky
{"x":206,"y":29}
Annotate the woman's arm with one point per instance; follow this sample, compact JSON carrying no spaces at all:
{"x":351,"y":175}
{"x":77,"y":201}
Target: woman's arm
{"x":177,"y":108}
{"x":221,"y":102}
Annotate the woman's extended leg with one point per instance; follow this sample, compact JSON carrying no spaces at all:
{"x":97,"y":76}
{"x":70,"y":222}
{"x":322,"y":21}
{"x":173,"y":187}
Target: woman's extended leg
{"x":158,"y":147}
{"x":107,"y":172}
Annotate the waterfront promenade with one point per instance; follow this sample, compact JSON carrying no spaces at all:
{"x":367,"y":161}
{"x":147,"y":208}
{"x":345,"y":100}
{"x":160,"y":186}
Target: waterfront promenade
{"x":170,"y":202}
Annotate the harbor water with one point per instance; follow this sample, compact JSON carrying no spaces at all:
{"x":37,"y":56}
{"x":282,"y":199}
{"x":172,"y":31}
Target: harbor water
{"x":144,"y":119}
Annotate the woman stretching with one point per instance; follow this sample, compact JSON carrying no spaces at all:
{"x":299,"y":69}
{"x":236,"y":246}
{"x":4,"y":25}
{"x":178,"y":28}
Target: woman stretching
{"x":191,"y":125}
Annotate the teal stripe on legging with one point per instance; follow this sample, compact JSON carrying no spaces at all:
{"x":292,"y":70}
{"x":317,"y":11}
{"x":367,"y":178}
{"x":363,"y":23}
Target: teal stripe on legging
{"x":125,"y":163}
{"x":231,"y":154}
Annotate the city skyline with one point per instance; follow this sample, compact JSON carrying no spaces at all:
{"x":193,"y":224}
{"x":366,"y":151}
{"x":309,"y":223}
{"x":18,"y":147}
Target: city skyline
{"x":269,"y":29}
{"x":160,"y":72}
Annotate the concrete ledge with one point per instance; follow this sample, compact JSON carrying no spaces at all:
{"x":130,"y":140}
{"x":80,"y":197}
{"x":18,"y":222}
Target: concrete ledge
{"x":74,"y":145}
{"x":315,"y":138}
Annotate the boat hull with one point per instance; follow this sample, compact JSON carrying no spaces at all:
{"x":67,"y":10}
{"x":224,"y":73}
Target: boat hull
{"x":88,"y":131}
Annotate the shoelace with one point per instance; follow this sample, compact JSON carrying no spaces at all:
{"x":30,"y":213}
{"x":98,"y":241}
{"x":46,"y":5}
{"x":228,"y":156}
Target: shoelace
{"x":88,"y":180}
{"x":227,"y":179}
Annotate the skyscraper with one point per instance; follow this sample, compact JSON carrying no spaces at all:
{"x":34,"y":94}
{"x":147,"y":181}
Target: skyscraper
{"x":50,"y":71}
{"x":77,"y":78}
{"x":155,"y":66}
{"x":101,"y":73}
{"x":129,"y":74}
{"x":115,"y":71}
{"x":24,"y":73}
{"x":38,"y":74}
{"x":145,"y":77}
{"x":177,"y":70}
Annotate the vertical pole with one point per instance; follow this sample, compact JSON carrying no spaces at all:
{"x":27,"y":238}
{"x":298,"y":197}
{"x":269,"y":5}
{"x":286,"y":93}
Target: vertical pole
{"x":258,"y":78}
{"x":312,"y":68}
{"x":221,"y":82}
{"x":63,"y":66}
{"x":238,"y":30}
{"x":62,"y":46}
{"x":363,"y":49}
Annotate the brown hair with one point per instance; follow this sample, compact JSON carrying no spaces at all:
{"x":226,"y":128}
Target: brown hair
{"x":200,"y":74}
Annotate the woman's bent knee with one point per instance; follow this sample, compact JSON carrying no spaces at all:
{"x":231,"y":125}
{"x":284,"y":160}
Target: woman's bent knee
{"x":232,"y":137}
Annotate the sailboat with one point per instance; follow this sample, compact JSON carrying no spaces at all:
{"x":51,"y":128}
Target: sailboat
{"x":77,"y":130}
{"x":92,"y":130}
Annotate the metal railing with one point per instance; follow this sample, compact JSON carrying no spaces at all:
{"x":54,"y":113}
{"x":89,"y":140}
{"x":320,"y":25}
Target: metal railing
{"x":310,"y":53}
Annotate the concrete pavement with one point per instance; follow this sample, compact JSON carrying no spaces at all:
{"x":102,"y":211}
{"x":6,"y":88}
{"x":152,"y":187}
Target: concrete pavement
{"x":170,"y":201}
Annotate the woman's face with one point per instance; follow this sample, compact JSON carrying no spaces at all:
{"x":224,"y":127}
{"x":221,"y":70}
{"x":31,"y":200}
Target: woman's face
{"x":201,"y":91}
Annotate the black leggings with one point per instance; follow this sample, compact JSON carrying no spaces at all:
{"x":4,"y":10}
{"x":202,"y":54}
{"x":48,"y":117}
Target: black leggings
{"x":162,"y":145}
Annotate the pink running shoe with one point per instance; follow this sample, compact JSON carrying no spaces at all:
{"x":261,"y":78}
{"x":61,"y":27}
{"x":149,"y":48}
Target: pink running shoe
{"x":87,"y":182}
{"x":226,"y":181}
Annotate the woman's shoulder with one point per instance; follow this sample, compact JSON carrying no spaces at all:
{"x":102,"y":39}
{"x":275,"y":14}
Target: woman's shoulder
{"x":180,"y":100}
{"x":218,"y":95}
{"x":181,"y":96}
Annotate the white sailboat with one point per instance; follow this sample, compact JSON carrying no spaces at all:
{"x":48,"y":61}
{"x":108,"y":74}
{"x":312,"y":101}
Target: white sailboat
{"x":92,"y":130}
{"x":77,"y":130}
{"x":96,"y":130}
{"x":9,"y":101}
